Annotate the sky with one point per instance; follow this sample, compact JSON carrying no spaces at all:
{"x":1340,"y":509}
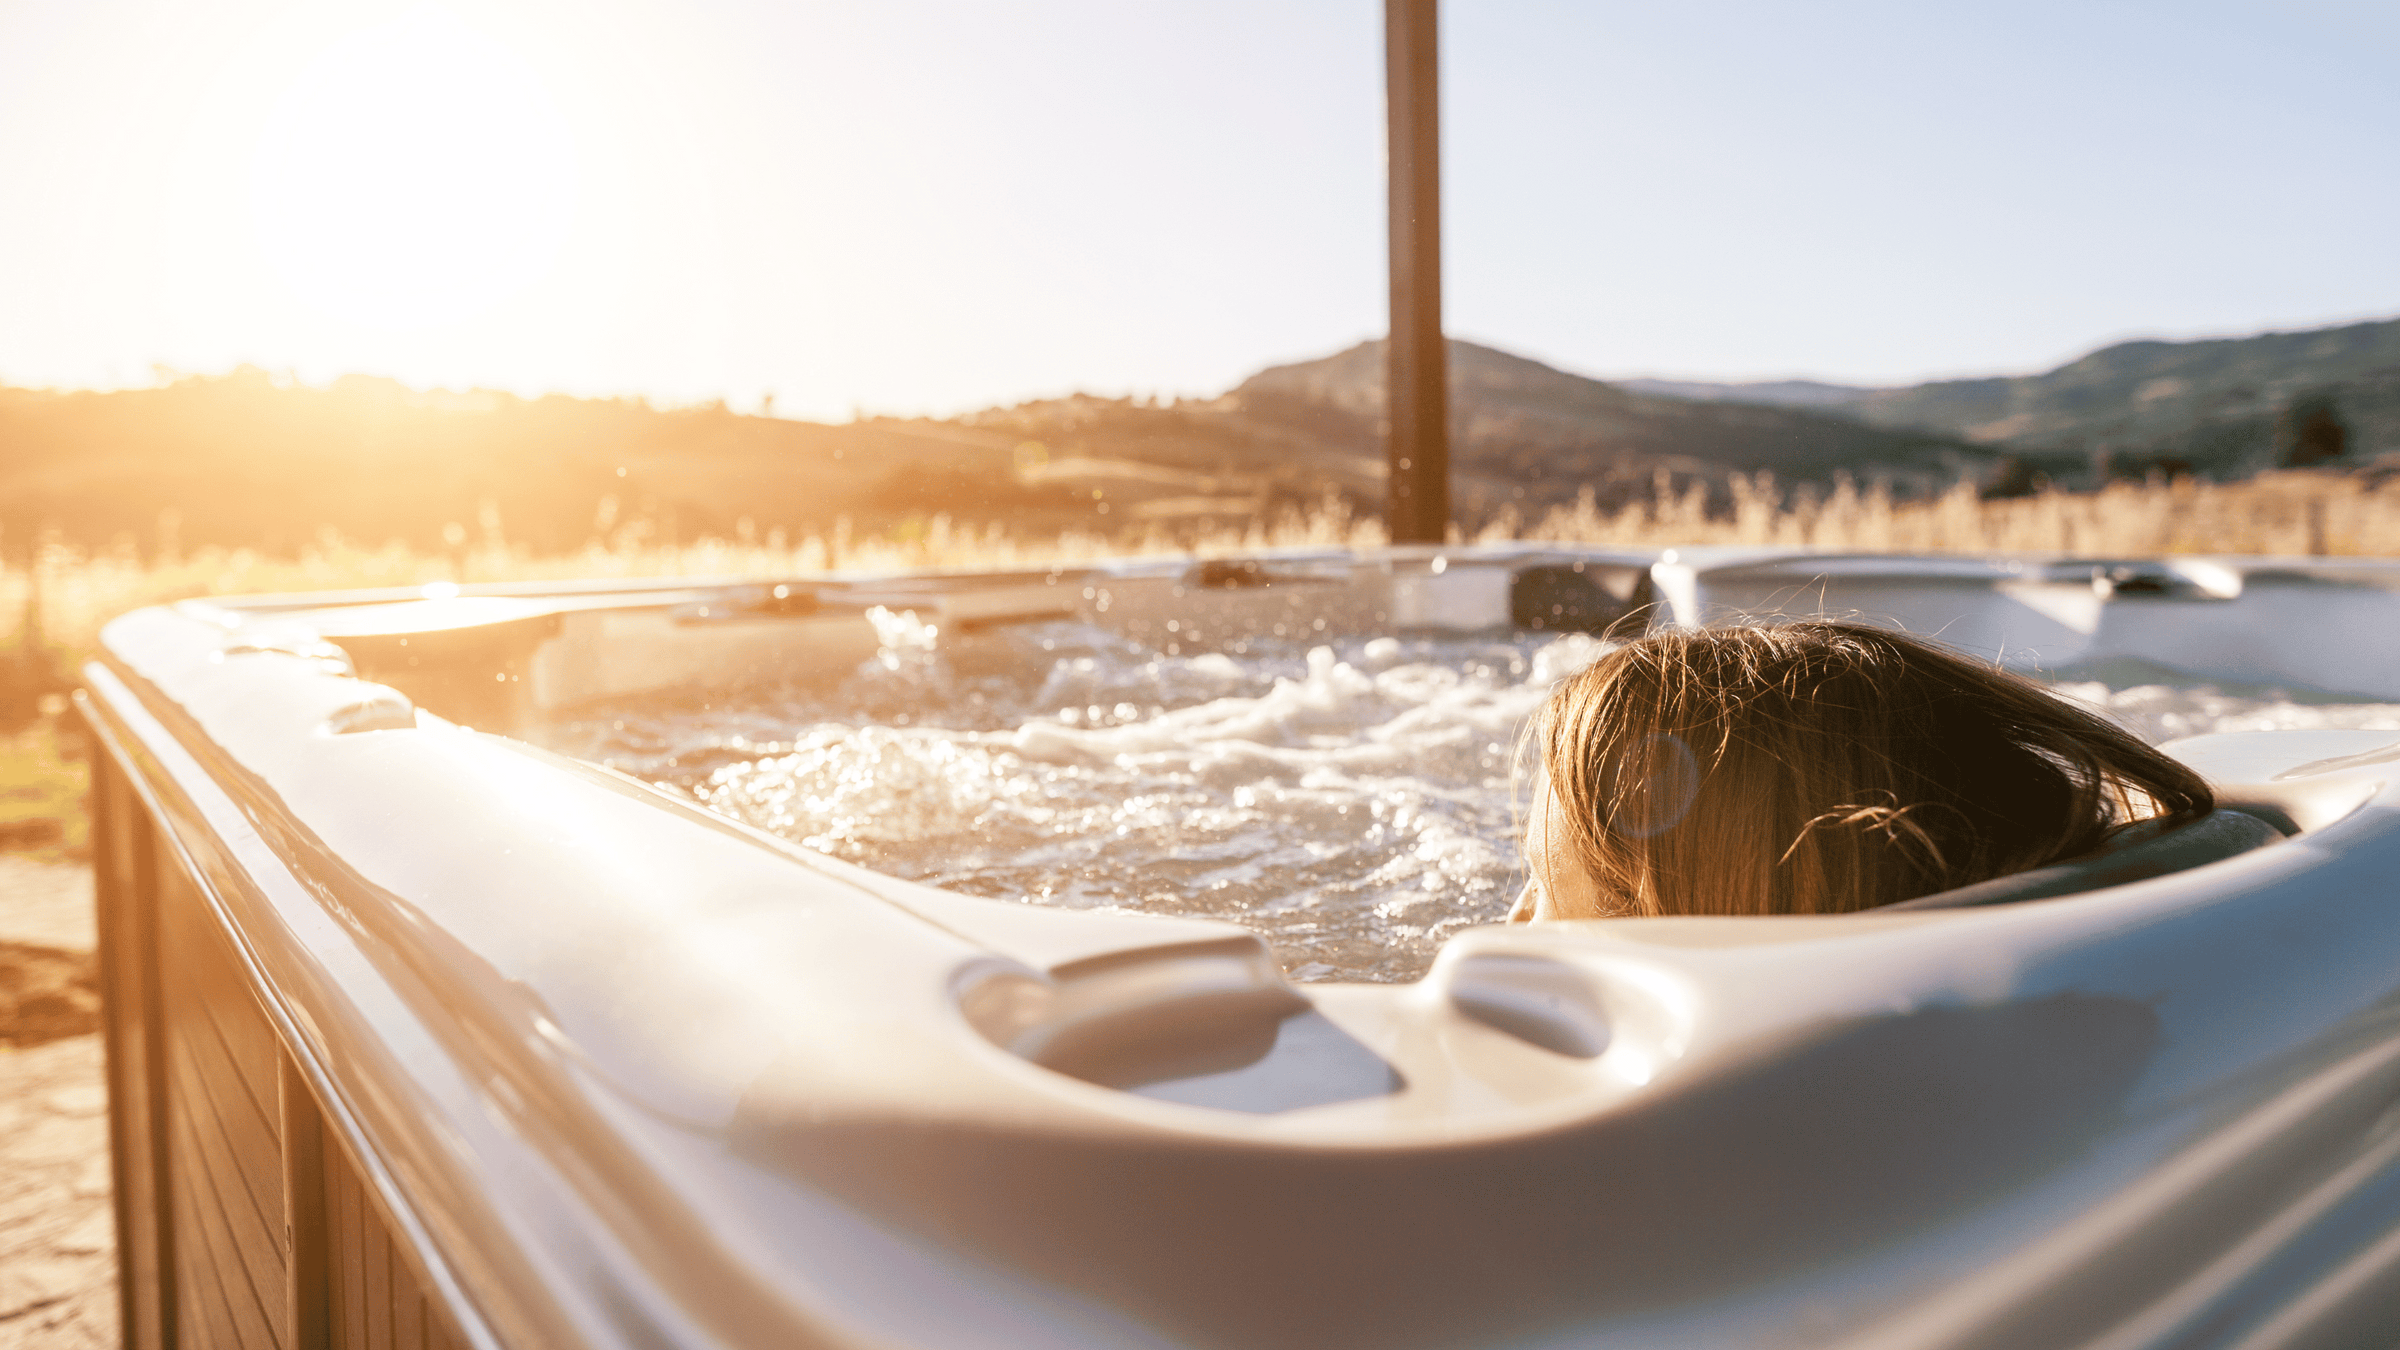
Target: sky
{"x":931,"y":206}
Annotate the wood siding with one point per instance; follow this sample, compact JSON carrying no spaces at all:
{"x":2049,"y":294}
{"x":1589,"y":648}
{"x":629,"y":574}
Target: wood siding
{"x":125,"y":854}
{"x":224,"y":1135}
{"x":242,"y":1219}
{"x":377,"y":1302}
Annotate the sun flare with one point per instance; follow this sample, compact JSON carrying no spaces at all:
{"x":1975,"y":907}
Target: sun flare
{"x":416,"y":173}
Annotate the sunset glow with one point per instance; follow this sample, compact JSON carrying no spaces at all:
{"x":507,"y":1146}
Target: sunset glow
{"x":416,"y":172}
{"x":924,"y":206}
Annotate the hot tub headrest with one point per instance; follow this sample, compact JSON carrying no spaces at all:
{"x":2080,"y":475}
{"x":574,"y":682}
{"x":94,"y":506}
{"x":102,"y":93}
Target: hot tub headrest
{"x":2219,"y":834}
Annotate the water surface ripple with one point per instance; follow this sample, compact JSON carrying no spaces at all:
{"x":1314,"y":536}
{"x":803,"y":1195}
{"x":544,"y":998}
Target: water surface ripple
{"x":1351,"y":802}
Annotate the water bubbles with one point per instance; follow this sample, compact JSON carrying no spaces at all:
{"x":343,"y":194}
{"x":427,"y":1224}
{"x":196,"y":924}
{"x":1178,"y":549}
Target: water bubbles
{"x":1568,"y":655}
{"x":1344,"y":799}
{"x":903,"y":642}
{"x":2166,"y":712}
{"x":1215,"y":666}
{"x":1347,"y":800}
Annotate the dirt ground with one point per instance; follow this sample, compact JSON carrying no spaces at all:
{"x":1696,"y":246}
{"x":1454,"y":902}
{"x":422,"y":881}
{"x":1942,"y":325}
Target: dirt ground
{"x":57,"y":1233}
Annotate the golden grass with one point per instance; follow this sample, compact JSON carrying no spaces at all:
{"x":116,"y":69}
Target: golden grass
{"x":80,"y":592}
{"x":2274,"y":514}
{"x":2290,"y":513}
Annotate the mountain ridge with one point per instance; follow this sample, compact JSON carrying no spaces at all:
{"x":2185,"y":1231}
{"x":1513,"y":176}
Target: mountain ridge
{"x":1779,"y":393}
{"x":2223,"y":406}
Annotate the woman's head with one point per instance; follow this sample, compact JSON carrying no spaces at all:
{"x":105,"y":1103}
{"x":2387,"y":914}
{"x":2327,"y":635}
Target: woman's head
{"x":1816,"y":767}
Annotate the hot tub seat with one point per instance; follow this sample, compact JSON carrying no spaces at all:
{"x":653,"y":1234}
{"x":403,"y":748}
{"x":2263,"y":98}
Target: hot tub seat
{"x":2214,"y":837}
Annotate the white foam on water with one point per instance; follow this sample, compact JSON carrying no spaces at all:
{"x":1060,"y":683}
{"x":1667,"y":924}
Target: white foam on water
{"x":1351,"y":803}
{"x":2167,"y":712}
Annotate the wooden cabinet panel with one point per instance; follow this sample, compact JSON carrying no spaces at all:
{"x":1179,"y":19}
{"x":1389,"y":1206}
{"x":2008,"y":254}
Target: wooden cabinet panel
{"x":223,"y":1135}
{"x":377,"y":1302}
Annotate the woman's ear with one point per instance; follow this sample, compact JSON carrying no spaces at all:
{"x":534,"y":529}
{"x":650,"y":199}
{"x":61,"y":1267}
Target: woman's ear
{"x":1562,"y":887}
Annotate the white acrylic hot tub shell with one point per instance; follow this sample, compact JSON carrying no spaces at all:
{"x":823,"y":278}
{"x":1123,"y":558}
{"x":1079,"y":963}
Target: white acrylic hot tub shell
{"x":616,"y":1072}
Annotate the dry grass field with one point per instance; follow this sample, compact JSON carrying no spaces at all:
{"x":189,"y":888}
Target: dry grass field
{"x":2292,"y":513}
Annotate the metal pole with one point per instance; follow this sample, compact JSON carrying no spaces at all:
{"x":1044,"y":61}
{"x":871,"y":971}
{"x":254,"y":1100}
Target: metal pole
{"x":1418,"y":447}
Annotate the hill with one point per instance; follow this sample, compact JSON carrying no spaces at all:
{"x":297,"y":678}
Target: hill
{"x":2223,"y":407}
{"x":243,"y":460}
{"x":1530,"y":435}
{"x":1780,"y":393}
{"x":1524,"y":437}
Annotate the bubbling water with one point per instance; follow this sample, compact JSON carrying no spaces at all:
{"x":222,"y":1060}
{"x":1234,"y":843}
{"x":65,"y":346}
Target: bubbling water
{"x":1350,"y":802}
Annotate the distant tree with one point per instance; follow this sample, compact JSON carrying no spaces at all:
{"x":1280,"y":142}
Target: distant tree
{"x":2013,"y":477}
{"x":2311,"y":432}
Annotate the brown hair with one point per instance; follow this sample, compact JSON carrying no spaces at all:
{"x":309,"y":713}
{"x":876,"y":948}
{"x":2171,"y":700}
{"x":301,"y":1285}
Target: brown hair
{"x":1815,"y":767}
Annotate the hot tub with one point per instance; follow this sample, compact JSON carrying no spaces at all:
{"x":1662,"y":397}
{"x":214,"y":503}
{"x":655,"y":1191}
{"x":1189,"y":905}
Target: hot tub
{"x":422,"y":1032}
